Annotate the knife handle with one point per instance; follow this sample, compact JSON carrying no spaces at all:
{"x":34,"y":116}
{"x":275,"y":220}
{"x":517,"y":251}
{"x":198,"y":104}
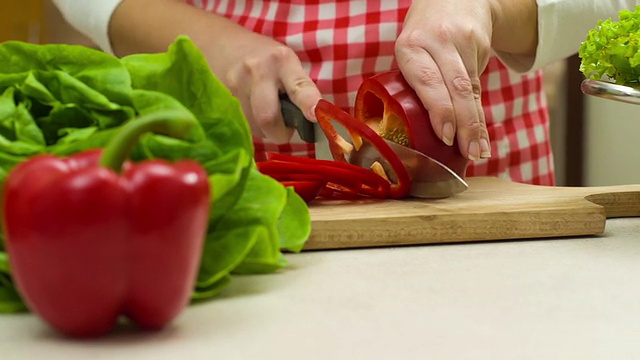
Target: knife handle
{"x":293,"y":117}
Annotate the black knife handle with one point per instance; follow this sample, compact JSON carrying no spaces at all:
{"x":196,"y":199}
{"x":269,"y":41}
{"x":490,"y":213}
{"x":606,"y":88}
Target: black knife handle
{"x":293,"y":117}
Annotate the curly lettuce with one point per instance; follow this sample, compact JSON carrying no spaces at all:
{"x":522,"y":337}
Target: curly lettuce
{"x":611,"y":50}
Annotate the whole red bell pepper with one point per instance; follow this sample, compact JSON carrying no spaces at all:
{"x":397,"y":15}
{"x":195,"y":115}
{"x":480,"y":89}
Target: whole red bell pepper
{"x":90,"y":239}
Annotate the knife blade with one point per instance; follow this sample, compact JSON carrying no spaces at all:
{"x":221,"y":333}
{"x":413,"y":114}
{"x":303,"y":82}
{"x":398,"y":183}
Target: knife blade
{"x":294,"y":118}
{"x":430,"y":179}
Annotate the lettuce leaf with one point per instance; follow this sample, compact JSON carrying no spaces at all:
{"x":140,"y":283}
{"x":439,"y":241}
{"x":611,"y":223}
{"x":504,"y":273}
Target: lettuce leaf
{"x":611,"y":50}
{"x":63,"y":99}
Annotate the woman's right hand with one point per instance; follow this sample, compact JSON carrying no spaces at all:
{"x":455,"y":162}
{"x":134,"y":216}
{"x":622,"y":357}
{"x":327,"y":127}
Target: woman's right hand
{"x":256,"y":68}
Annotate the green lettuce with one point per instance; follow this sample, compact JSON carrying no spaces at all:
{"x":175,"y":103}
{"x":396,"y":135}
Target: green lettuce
{"x":611,"y":50}
{"x":62,"y":99}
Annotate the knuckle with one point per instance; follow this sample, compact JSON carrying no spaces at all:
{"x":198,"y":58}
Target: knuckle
{"x":281,"y":53}
{"x":428,"y":77}
{"x":262,"y":65}
{"x":444,"y":32}
{"x":410,"y":42}
{"x":265,"y":118}
{"x":477,"y":90}
{"x":232,"y":81}
{"x":254,"y":66}
{"x":416,"y":37}
{"x":443,"y":111}
{"x":473,"y":126}
{"x":484,"y":44}
{"x":299,"y":85}
{"x":409,"y":39}
{"x":464,"y":87}
{"x":461,"y":85}
{"x":468,"y":33}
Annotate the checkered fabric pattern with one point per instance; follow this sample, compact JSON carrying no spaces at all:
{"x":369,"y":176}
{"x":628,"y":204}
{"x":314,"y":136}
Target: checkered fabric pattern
{"x":341,"y":42}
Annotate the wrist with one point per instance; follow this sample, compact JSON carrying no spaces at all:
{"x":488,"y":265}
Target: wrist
{"x":514,"y":26}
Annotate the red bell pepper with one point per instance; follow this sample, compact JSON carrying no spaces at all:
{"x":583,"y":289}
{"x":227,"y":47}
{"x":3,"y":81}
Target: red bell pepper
{"x":388,"y":108}
{"x":90,"y":239}
{"x":387,"y":103}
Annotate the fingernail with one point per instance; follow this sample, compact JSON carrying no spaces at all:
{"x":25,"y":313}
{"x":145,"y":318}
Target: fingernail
{"x":474,"y":151}
{"x":447,"y":133}
{"x":485,"y":149}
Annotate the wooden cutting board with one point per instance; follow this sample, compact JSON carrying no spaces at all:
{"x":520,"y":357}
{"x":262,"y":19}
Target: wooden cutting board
{"x":491,"y":209}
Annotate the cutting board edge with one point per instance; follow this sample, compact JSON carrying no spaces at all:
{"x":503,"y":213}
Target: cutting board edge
{"x":502,"y":206}
{"x":351,"y":233}
{"x":319,"y":245}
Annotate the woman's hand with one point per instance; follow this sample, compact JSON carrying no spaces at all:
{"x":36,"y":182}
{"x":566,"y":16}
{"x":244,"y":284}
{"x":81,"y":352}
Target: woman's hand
{"x":445,"y":46}
{"x":442,"y":50}
{"x":256,"y":68}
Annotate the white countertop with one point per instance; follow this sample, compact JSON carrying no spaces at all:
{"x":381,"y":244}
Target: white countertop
{"x":541,"y":299}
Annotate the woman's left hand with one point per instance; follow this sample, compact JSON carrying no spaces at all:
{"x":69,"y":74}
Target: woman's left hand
{"x":442,"y":50}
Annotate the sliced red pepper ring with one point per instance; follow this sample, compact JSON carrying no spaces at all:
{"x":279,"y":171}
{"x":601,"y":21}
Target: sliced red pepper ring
{"x":342,"y":178}
{"x":338,"y":178}
{"x":295,"y":176}
{"x":307,"y":189}
{"x":368,"y":177}
{"x":327,"y":112}
{"x":308,"y":186}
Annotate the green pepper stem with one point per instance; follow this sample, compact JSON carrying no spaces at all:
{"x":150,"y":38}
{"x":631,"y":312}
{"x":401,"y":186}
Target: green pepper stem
{"x":171,"y":123}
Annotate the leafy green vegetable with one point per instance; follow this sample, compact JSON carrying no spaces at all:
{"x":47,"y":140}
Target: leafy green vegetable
{"x":62,"y":99}
{"x":611,"y":50}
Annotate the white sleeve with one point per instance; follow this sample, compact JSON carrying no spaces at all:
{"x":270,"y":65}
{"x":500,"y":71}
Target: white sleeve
{"x":91,"y":18}
{"x":562,"y":26}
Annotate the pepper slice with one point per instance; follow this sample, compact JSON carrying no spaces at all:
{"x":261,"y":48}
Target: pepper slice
{"x":342,"y":176}
{"x":90,"y":239}
{"x":306,"y":189}
{"x":339,"y":178}
{"x":308,"y":186}
{"x":327,"y":112}
{"x":388,"y":104}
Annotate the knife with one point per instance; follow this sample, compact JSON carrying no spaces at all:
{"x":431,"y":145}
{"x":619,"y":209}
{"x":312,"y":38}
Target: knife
{"x":294,"y":118}
{"x":430,"y":179}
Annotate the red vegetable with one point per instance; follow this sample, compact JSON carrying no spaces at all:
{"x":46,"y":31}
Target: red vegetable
{"x":332,"y":177}
{"x":307,"y":189}
{"x":386,"y":108}
{"x":88,"y":242}
{"x":388,"y":104}
{"x":326,"y":112}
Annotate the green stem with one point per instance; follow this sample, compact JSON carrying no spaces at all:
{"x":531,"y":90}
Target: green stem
{"x":171,"y":123}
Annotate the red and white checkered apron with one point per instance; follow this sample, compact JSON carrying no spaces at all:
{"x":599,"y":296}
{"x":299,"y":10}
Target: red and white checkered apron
{"x":342,"y":42}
